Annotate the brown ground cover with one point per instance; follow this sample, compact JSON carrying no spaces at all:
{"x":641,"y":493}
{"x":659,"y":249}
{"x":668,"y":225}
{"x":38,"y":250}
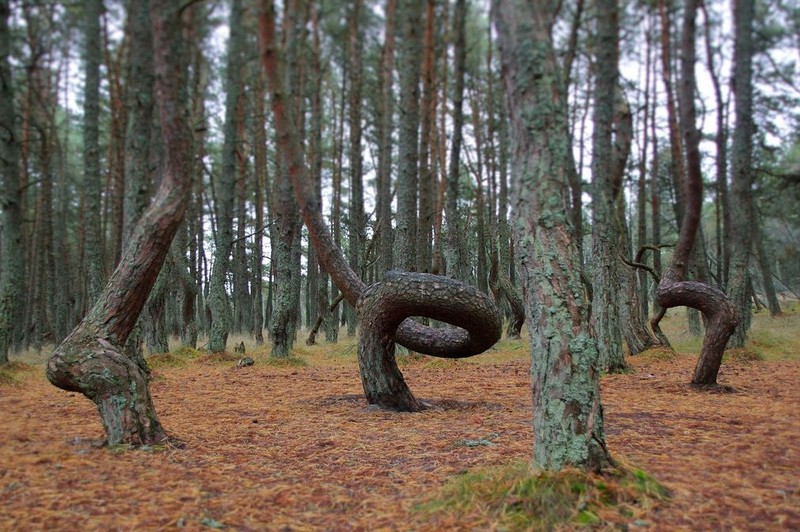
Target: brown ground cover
{"x":298,"y":449}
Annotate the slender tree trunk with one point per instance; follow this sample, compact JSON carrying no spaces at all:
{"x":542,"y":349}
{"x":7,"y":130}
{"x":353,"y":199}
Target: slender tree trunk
{"x":91,"y":360}
{"x":260,"y":153}
{"x":641,"y":190}
{"x":606,"y":188}
{"x":384,"y":231}
{"x":456,"y":261}
{"x":427,"y":198}
{"x":218,"y":296}
{"x":721,"y":160}
{"x":12,"y":265}
{"x":92,"y":184}
{"x":742,"y":168}
{"x":408,"y":167}
{"x":674,"y":290}
{"x":357,"y":237}
{"x":332,"y":329}
{"x":568,"y":416}
{"x":766,"y":271}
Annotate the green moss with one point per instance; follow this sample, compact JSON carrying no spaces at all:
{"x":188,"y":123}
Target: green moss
{"x":13,"y":373}
{"x":286,"y":362}
{"x":516,"y":498}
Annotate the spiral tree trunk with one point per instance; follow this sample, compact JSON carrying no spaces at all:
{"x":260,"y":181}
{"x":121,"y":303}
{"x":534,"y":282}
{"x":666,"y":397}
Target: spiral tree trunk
{"x":92,"y":359}
{"x":385,"y":307}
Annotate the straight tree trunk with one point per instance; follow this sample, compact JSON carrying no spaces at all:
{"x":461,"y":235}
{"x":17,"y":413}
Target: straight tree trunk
{"x":721,"y":160}
{"x":287,"y":225}
{"x":260,"y":153}
{"x":457,"y":267}
{"x":357,"y":236}
{"x":408,"y":143}
{"x":568,"y":416}
{"x":742,"y":168}
{"x":92,"y":360}
{"x":427,"y":198}
{"x":12,"y":265}
{"x":606,"y":188}
{"x":218,"y":297}
{"x":766,"y":271}
{"x":92,"y":184}
{"x":384,"y":231}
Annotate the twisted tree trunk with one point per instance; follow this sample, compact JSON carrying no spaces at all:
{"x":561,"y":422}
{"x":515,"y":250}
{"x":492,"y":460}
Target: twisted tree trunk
{"x":674,"y":290}
{"x":476,"y":317}
{"x":92,"y":359}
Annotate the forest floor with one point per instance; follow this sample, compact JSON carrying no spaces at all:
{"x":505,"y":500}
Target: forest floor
{"x":296,"y":448}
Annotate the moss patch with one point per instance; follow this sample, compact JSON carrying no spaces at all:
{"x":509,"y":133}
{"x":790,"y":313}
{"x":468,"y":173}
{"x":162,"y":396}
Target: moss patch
{"x":516,"y":498}
{"x":657,"y":354}
{"x":222,"y":357}
{"x":741,"y":356}
{"x":14,"y":373}
{"x":286,"y":362}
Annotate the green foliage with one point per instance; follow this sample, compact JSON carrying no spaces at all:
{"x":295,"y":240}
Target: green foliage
{"x":516,"y":498}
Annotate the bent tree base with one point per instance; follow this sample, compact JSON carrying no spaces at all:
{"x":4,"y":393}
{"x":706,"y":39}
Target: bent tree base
{"x":387,"y":305}
{"x":88,"y":364}
{"x":719,"y":313}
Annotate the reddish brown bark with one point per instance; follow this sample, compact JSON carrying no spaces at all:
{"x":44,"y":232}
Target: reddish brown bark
{"x":478,"y":316}
{"x":674,"y":290}
{"x":91,"y":360}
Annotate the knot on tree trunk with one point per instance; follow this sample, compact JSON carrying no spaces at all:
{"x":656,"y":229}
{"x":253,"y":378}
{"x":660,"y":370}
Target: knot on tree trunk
{"x":384,"y":311}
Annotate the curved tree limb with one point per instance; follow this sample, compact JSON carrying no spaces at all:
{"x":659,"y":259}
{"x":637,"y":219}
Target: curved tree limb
{"x":445,"y":343}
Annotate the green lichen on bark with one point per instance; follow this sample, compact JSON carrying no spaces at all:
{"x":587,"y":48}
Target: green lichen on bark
{"x":568,"y":418}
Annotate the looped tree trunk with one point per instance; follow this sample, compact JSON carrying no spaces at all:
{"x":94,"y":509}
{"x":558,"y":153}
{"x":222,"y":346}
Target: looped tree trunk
{"x":384,"y":306}
{"x":387,"y":305}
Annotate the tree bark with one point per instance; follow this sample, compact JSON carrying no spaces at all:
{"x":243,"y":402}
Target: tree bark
{"x":357,"y":237}
{"x":568,"y":416}
{"x":92,"y":184}
{"x":218,"y":297}
{"x":427,"y":180}
{"x":384,"y":231}
{"x":674,"y":290}
{"x":606,"y":190}
{"x":741,"y":168}
{"x":91,"y":360}
{"x":12,"y":265}
{"x":456,"y":262}
{"x":447,"y":343}
{"x":408,"y":143}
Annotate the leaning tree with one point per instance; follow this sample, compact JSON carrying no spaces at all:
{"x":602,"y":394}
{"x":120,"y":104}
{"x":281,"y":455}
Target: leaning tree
{"x":92,"y":359}
{"x":384,"y":308}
